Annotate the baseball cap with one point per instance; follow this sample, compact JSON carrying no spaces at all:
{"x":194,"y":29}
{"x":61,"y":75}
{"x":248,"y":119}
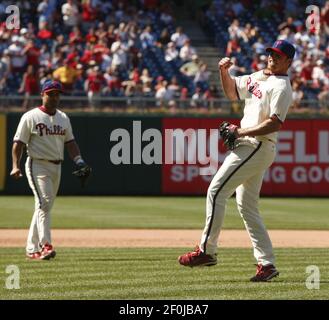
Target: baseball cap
{"x":283,"y":47}
{"x":51,"y":85}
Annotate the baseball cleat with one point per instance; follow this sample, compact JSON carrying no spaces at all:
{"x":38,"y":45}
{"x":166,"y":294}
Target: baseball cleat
{"x":33,"y":256}
{"x":264,"y":273}
{"x":197,"y":258}
{"x":47,"y":252}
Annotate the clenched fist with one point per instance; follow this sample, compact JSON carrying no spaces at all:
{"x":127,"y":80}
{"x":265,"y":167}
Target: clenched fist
{"x":224,"y":63}
{"x":16,"y":173}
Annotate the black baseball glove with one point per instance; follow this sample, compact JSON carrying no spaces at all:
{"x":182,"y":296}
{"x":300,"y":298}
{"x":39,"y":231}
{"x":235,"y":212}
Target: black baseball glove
{"x":82,"y":172}
{"x":228,"y":133}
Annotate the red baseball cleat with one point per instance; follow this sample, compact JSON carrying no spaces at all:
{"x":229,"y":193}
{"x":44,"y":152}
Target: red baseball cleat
{"x":197,"y":258}
{"x":264,"y":273}
{"x":47,"y":252}
{"x":33,"y":256}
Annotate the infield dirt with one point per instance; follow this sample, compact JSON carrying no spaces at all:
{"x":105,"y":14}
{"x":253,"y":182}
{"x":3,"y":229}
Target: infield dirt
{"x":125,"y":238}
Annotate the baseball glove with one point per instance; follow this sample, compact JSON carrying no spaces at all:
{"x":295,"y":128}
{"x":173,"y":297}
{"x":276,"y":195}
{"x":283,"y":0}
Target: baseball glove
{"x":82,"y":172}
{"x":228,"y":133}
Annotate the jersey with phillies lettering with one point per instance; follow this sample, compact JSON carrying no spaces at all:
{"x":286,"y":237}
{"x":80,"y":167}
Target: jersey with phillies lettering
{"x":265,"y":96}
{"x":44,"y":134}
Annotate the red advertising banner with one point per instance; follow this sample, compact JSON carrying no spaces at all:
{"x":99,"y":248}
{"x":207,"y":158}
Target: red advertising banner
{"x":192,"y":147}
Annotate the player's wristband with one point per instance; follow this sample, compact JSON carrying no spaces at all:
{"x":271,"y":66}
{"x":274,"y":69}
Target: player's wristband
{"x":78,"y":160}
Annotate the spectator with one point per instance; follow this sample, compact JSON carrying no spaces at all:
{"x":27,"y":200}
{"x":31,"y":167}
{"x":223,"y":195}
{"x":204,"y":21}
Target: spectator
{"x":325,"y":17}
{"x":183,"y":103}
{"x":324,"y":98}
{"x":159,"y":83}
{"x":197,"y":98}
{"x":57,"y":60}
{"x":24,"y":36}
{"x":44,"y":56}
{"x":191,"y":68}
{"x":289,"y":23}
{"x":114,"y":83}
{"x":75,"y":36}
{"x":102,"y":32}
{"x":174,"y":87}
{"x":166,"y":18}
{"x":235,"y":70}
{"x":29,"y":86}
{"x":121,"y":32}
{"x":318,"y":75}
{"x":233,"y":47}
{"x":179,"y":37}
{"x":145,"y":76}
{"x":235,"y":31}
{"x":129,"y":85}
{"x":258,"y":63}
{"x":147,"y":39}
{"x":89,"y":14}
{"x":163,"y":95}
{"x":4,"y":70}
{"x":45,"y":12}
{"x":147,"y":89}
{"x":297,"y":95}
{"x":209,"y":96}
{"x":202,"y":76}
{"x":45,"y":33}
{"x":171,"y":52}
{"x":258,"y":46}
{"x":17,"y":58}
{"x":91,"y":37}
{"x":306,"y":72}
{"x":237,"y":8}
{"x":99,"y":50}
{"x":60,"y":44}
{"x":67,"y":76}
{"x":70,"y":14}
{"x":32,"y":54}
{"x":93,"y":86}
{"x":187,"y":51}
{"x":111,"y":35}
{"x":164,"y":39}
{"x":119,"y":54}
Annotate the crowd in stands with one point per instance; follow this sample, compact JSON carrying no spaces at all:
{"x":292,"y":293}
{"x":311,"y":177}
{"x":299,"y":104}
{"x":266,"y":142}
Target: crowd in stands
{"x":98,"y":48}
{"x":245,"y":28}
{"x":134,"y":49}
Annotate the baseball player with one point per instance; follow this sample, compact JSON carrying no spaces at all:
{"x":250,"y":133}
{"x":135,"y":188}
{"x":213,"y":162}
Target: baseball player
{"x":44,"y":131}
{"x":268,"y":95}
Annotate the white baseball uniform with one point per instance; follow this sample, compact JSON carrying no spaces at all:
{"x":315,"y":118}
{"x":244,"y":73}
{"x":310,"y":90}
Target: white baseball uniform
{"x":44,"y":135}
{"x":243,"y":169}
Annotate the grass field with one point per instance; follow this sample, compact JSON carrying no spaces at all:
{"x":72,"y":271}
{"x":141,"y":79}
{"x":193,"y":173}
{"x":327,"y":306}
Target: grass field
{"x":155,"y":274}
{"x":162,"y":212}
{"x":132,"y":273}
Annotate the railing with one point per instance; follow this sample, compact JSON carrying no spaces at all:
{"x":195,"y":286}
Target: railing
{"x":147,"y":105}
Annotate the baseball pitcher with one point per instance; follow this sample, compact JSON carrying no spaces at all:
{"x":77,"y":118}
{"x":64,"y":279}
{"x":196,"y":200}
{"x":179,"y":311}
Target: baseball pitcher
{"x":268,"y":95}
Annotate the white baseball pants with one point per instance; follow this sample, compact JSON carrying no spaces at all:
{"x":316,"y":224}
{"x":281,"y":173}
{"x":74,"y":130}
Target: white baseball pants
{"x":44,"y":179}
{"x":242,"y":171}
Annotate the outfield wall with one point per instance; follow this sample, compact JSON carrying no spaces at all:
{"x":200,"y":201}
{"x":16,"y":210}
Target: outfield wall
{"x":142,"y":144}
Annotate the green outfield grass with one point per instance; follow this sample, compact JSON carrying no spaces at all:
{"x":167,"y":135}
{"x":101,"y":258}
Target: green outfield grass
{"x":155,"y":274}
{"x":162,"y":212}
